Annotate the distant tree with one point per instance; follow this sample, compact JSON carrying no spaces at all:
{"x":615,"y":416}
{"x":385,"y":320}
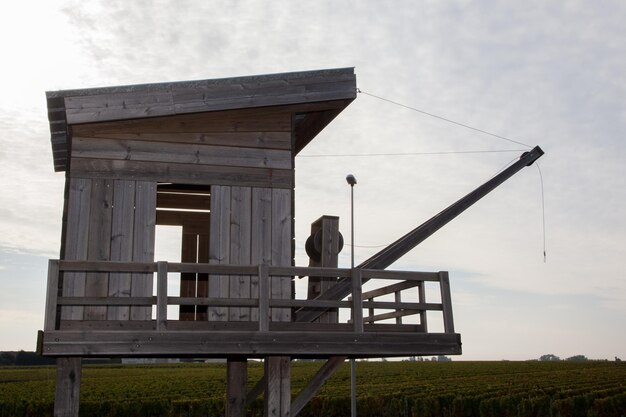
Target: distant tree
{"x":577,"y":358}
{"x":442,"y":358}
{"x":617,"y":359}
{"x":549,"y":357}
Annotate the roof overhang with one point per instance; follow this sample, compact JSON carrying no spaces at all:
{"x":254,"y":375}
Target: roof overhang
{"x":314,"y":97}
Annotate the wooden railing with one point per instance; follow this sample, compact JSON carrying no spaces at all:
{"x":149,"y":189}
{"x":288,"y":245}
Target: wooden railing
{"x":384,"y":329}
{"x":358,"y":302}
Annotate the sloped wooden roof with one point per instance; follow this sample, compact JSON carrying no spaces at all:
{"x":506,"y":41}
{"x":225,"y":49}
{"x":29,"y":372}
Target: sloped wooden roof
{"x":315,"y":97}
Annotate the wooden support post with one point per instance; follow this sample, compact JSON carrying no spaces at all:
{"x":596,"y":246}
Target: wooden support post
{"x":237,"y":377}
{"x":446,"y":302}
{"x":67,"y":395}
{"x":277,"y":386}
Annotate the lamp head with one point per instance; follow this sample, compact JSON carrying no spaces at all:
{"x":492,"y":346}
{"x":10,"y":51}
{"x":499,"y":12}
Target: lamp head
{"x":351,"y":180}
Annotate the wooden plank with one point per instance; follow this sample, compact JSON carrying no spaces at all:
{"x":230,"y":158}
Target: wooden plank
{"x":278,"y":386}
{"x":281,"y":249}
{"x":187,"y":201}
{"x":131,"y":150}
{"x":307,"y":271}
{"x":221,"y":302}
{"x":99,"y":246}
{"x":76,"y":241}
{"x":240,"y":236}
{"x":225,"y":269}
{"x":67,"y":388}
{"x":398,"y":299}
{"x":219,"y":245}
{"x":182,"y":173}
{"x":52,"y":294}
{"x":248,"y":343}
{"x":386,"y":316}
{"x":261,"y":239}
{"x":143,"y":244}
{"x":446,"y":302}
{"x":236,"y":379}
{"x":195,"y":222}
{"x":275,"y":119}
{"x":390,"y":289}
{"x":400,"y":275}
{"x":103,"y":301}
{"x":261,"y":139}
{"x":130,"y":105}
{"x":106,"y":266}
{"x":122,"y":228}
{"x":316,"y":383}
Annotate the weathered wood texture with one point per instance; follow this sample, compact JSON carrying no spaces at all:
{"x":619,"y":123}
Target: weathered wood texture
{"x":325,"y":240}
{"x":249,"y":226}
{"x":315,"y":96}
{"x":67,"y":391}
{"x":145,"y":343}
{"x":238,"y":147}
{"x":109,"y":220}
{"x":236,"y":379}
{"x":277,"y":386}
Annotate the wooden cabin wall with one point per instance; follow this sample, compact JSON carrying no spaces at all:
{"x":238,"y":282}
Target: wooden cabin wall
{"x":250,"y":226}
{"x":245,"y":156}
{"x":109,"y":220}
{"x":249,"y":148}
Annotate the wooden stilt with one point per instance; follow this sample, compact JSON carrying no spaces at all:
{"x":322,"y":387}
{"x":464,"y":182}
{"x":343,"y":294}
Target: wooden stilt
{"x":278,"y":386}
{"x":67,"y":395}
{"x":237,"y":376}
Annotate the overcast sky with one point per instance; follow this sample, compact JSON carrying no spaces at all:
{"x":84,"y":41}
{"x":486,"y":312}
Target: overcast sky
{"x":542,"y":73}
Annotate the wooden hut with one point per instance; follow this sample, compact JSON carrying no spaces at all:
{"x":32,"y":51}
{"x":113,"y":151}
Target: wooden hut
{"x":215,"y":157}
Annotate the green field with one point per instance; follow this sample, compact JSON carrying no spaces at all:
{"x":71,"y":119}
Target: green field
{"x":384,"y":389}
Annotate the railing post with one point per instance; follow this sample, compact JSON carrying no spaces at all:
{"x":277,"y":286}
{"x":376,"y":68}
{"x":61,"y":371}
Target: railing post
{"x":52,"y":295}
{"x":357,"y":300}
{"x":264,"y":298}
{"x":446,"y":302}
{"x":161,"y":310}
{"x":421,"y":293}
{"x":398,"y":298}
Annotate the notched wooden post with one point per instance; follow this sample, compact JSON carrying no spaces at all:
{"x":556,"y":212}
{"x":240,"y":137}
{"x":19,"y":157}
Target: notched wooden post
{"x":446,"y":302}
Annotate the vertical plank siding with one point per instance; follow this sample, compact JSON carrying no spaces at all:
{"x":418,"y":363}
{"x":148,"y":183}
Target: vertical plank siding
{"x":143,"y":244}
{"x":76,"y":238}
{"x":261,"y":238}
{"x":240,"y":236}
{"x":281,"y":249}
{"x":99,"y":247}
{"x":122,"y":244}
{"x":219,"y":247}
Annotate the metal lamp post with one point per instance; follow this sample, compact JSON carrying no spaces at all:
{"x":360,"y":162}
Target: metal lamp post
{"x":352,"y":181}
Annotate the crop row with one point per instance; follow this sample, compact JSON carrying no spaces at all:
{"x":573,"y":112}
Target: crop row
{"x":403,"y":389}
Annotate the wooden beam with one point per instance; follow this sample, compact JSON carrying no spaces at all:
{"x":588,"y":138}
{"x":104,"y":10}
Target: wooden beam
{"x":247,"y":343}
{"x":316,"y":383}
